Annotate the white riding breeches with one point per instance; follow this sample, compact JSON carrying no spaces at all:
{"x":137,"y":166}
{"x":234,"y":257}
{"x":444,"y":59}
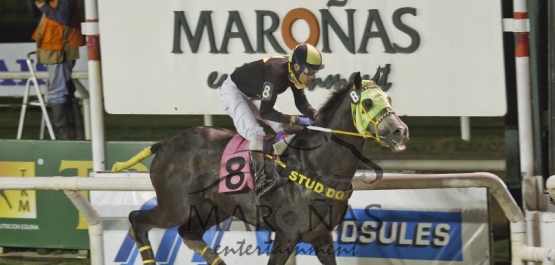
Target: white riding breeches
{"x":245,"y":111}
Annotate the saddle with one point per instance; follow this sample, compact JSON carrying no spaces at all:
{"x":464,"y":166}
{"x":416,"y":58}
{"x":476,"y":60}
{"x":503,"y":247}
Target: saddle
{"x":235,"y":170}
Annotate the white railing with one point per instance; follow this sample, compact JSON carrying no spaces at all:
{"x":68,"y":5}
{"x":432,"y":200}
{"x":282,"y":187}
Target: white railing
{"x":40,"y":75}
{"x":72,"y":186}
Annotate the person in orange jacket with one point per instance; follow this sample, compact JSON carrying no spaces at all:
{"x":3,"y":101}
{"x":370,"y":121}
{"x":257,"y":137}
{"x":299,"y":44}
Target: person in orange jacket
{"x":58,"y":37}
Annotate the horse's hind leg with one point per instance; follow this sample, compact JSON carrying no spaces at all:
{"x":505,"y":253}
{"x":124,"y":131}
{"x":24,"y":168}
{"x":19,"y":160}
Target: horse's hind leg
{"x":139,"y":233}
{"x":192,"y":233}
{"x":323,"y":246}
{"x":141,"y":222}
{"x":284,"y":247}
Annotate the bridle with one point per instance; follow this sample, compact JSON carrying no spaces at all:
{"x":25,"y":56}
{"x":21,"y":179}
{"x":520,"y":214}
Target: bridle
{"x":361,"y":117}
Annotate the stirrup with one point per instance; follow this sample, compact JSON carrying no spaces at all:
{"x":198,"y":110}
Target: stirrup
{"x":265,"y":186}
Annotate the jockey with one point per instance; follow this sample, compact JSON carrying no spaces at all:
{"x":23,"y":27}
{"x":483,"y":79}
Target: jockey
{"x":250,"y":93}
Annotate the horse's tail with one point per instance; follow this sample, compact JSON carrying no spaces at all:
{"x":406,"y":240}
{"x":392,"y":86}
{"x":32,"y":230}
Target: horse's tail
{"x":118,"y":166}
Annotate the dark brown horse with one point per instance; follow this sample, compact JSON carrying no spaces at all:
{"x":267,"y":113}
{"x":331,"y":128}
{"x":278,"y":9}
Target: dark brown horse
{"x":319,"y":165}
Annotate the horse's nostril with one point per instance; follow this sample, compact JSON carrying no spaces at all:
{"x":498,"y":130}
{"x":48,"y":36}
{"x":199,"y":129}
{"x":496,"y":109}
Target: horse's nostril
{"x":398,"y":132}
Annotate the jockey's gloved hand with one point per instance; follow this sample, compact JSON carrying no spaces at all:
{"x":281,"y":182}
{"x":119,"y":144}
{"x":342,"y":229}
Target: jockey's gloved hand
{"x":279,"y":136}
{"x":318,"y":118}
{"x":304,"y":121}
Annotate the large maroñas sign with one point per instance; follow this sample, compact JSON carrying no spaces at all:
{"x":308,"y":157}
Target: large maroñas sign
{"x":441,"y":58}
{"x":268,"y":33}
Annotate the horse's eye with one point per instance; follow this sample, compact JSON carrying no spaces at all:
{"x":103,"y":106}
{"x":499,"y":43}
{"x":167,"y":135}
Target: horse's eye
{"x":367,"y":104}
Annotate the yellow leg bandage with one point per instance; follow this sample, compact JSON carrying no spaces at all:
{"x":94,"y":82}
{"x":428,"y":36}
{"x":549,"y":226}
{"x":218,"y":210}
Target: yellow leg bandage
{"x":203,"y":251}
{"x":216,"y":261}
{"x":133,"y":161}
{"x":149,"y":261}
{"x":144,"y":248}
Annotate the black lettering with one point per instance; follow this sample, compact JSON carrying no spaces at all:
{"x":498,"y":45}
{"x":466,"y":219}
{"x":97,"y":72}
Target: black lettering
{"x":378,"y":220}
{"x":383,"y":79}
{"x":413,"y":34}
{"x":268,"y":33}
{"x":336,"y":3}
{"x":331,"y":81}
{"x":235,"y":19}
{"x":374,"y":16}
{"x":351,"y":251}
{"x":347,"y":40}
{"x":241,"y":218}
{"x":261,"y":213}
{"x":203,"y":224}
{"x":213,"y":81}
{"x":328,"y":224}
{"x":204,"y":20}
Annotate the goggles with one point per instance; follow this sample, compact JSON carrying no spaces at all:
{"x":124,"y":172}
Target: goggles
{"x":308,"y":70}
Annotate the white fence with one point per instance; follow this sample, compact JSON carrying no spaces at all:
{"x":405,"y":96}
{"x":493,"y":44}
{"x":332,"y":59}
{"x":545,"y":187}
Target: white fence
{"x":521,"y":252}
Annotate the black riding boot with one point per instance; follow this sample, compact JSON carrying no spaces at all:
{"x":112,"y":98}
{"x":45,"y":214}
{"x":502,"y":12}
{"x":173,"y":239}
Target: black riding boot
{"x":262,"y":184}
{"x":77,"y":117}
{"x":60,"y":121}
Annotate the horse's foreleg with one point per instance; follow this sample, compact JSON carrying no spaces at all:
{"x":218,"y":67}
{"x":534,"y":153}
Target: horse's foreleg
{"x":139,"y":233}
{"x":206,"y":252}
{"x":323,"y":246}
{"x":284,"y":246}
{"x":193,"y":240}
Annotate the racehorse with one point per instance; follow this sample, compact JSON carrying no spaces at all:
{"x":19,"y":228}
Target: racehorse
{"x":318,"y":165}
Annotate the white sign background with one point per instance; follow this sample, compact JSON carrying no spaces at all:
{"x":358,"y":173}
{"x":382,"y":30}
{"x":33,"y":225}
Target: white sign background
{"x":457,"y":70}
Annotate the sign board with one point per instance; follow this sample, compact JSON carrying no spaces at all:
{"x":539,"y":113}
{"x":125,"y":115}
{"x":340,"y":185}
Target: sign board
{"x":45,"y":218}
{"x":443,"y":226}
{"x":437,"y":58}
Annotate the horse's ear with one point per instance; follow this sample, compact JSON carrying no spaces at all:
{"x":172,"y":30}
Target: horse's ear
{"x":357,"y":80}
{"x":376,"y":77}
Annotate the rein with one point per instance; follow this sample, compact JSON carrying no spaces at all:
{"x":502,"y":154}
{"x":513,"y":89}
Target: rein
{"x":366,"y":134}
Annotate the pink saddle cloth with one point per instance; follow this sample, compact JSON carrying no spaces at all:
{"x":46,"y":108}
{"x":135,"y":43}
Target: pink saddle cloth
{"x":235,"y":170}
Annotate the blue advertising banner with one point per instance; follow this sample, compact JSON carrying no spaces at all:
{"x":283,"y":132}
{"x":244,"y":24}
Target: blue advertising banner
{"x":390,"y":236}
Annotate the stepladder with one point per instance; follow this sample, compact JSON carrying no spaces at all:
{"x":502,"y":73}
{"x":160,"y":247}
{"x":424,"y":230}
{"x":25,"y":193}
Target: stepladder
{"x":45,"y":120}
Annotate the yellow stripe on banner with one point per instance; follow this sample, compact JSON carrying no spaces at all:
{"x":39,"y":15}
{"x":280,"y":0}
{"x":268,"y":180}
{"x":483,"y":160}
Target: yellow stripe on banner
{"x":204,"y":250}
{"x":144,"y":248}
{"x":218,"y":259}
{"x":149,"y":261}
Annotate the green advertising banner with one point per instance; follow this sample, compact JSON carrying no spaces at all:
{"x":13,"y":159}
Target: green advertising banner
{"x":48,"y":219}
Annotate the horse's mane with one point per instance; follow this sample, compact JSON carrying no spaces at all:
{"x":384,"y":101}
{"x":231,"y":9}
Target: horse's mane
{"x":328,"y":109}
